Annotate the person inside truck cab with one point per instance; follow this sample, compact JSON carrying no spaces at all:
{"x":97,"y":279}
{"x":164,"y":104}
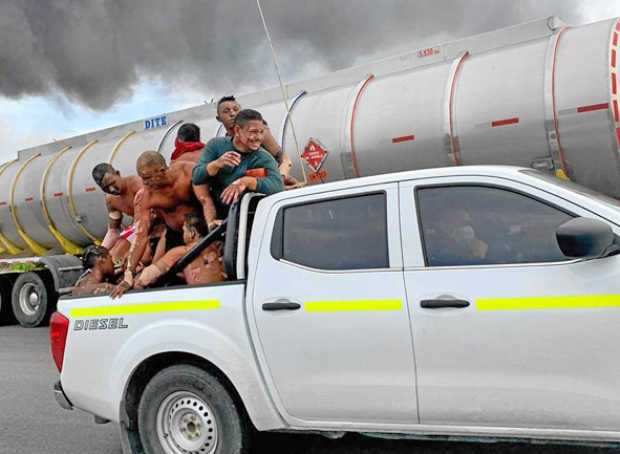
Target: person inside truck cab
{"x":227,"y":110}
{"x":451,"y":238}
{"x":231,"y":165}
{"x":187,"y":146}
{"x":119,"y":199}
{"x":205,"y":269}
{"x":100,"y":276}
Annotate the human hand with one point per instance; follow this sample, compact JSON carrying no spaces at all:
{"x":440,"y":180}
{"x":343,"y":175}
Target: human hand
{"x":120,"y":289}
{"x":103,"y":289}
{"x":290,"y":182}
{"x":125,"y":285}
{"x":214,"y":224}
{"x":230,"y":159}
{"x":232,"y":193}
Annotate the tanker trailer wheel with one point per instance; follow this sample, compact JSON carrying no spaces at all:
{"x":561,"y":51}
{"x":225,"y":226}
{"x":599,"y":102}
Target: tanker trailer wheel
{"x":6,"y":310}
{"x":33,"y":299}
{"x":185,"y":410}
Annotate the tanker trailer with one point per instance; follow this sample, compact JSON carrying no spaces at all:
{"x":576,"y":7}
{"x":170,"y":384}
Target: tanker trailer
{"x":540,"y":94}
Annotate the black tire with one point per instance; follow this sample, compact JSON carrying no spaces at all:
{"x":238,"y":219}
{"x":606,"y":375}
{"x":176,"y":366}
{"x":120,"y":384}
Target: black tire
{"x":6,"y":309}
{"x":33,"y":299}
{"x":180,"y":393}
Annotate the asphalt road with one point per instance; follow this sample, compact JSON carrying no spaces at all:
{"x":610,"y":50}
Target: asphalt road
{"x":32,"y":423}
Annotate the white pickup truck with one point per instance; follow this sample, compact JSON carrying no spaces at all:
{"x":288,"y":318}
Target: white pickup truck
{"x":459,"y":303}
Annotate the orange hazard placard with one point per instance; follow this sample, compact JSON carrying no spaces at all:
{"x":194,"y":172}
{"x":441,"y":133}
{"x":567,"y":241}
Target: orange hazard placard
{"x":314,"y":154}
{"x":317,"y":177}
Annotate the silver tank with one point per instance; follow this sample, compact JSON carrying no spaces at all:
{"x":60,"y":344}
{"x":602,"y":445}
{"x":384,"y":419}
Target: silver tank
{"x":540,"y":94}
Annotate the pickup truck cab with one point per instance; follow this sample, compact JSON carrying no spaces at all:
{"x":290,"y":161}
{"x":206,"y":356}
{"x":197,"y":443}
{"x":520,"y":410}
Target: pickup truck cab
{"x":463,"y":302}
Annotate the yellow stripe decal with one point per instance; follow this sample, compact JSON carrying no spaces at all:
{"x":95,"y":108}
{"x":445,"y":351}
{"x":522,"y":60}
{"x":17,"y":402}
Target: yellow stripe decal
{"x":353,"y":305}
{"x":149,"y":308}
{"x":548,"y":303}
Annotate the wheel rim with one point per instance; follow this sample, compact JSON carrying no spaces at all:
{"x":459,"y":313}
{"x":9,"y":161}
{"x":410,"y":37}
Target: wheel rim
{"x":186,"y":425}
{"x":29,"y":299}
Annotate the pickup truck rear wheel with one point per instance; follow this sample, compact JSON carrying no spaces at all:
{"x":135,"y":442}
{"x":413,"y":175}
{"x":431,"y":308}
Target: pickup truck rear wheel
{"x":33,"y":298}
{"x":185,"y":410}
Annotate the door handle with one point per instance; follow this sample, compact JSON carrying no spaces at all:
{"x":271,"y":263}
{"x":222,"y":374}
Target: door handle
{"x":281,"y":305}
{"x":439,"y":304}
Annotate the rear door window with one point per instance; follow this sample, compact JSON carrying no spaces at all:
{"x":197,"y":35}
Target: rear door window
{"x":338,"y":234}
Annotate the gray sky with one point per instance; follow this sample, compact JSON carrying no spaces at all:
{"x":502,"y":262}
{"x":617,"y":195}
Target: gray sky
{"x":91,"y":64}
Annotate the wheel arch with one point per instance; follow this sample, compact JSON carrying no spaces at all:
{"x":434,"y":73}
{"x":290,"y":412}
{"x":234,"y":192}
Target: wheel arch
{"x":146,"y":370}
{"x":219,"y":344}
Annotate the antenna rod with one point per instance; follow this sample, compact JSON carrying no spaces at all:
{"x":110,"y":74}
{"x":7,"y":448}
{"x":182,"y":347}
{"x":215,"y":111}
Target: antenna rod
{"x":284,"y":95}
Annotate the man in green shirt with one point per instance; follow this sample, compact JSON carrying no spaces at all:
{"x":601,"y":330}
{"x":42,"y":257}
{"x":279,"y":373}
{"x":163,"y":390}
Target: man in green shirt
{"x":227,"y":110}
{"x":231,"y":165}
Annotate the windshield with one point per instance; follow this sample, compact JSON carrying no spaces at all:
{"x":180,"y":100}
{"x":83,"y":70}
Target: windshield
{"x":587,"y":192}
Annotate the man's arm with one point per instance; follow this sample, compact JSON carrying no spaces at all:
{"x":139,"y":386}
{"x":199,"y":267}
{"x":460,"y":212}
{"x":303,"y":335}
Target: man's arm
{"x":200,"y":174}
{"x":115,"y":218}
{"x":142,"y":221}
{"x":91,"y":288}
{"x":153,"y":272}
{"x":160,"y":248}
{"x":234,"y":190}
{"x":209,"y":165}
{"x":272,"y":183}
{"x":272,"y":146}
{"x":142,"y":218}
{"x":208,"y":207}
{"x":285,"y":166}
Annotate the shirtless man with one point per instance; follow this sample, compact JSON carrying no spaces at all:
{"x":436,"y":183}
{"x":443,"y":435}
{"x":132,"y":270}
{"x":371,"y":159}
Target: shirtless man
{"x":205,"y":269}
{"x":100,"y":276}
{"x":227,"y":110}
{"x":168,"y":190}
{"x":187,"y":146}
{"x":120,"y":194}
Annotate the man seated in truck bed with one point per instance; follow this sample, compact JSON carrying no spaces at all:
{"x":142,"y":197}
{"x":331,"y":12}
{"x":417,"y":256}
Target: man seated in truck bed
{"x":205,"y":269}
{"x":100,"y":276}
{"x":231,"y":165}
{"x":227,"y":110}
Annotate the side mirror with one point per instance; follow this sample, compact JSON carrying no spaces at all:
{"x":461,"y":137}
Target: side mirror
{"x":584,"y":238}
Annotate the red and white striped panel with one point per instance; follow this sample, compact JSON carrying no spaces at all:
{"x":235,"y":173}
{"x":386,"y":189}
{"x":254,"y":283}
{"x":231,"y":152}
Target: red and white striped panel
{"x":613,"y":77}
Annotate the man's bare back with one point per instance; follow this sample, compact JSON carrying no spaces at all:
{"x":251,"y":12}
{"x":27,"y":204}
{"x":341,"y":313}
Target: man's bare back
{"x":208,"y":267}
{"x":204,"y":269}
{"x":190,"y":156}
